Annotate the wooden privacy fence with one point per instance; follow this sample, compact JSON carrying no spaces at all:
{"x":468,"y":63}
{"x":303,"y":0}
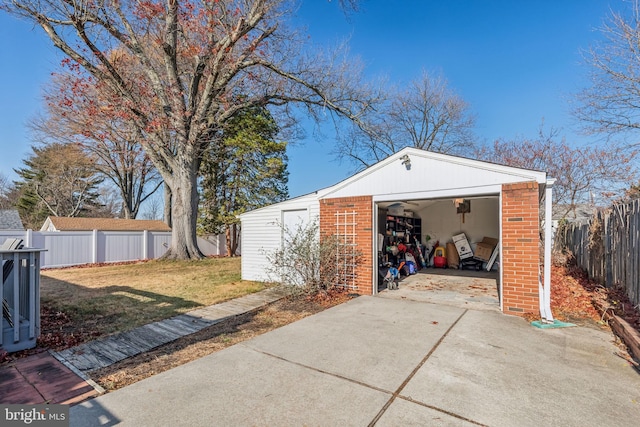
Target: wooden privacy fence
{"x":67,"y":248}
{"x":608,"y":246}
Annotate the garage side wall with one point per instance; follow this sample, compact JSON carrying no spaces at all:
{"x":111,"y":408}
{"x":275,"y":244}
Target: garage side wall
{"x":520,"y":248}
{"x":261,"y":234}
{"x":351,"y":218}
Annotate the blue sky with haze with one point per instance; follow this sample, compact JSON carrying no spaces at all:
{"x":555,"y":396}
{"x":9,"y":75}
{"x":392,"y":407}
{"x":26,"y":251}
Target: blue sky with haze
{"x":515,"y":62}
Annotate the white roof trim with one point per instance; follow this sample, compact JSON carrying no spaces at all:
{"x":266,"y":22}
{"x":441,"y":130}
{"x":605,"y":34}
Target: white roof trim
{"x":317,"y":194}
{"x":526,"y":174}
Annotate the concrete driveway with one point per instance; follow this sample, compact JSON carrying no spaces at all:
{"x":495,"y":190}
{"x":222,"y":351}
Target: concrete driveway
{"x":390,"y":363}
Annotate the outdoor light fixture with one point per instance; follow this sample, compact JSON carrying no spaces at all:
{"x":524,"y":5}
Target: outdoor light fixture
{"x":406,"y":161}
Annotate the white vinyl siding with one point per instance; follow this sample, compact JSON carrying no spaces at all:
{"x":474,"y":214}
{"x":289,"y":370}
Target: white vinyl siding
{"x":262,"y":232}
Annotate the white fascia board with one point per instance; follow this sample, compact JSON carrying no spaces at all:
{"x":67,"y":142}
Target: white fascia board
{"x":487,"y":190}
{"x":309,"y":196}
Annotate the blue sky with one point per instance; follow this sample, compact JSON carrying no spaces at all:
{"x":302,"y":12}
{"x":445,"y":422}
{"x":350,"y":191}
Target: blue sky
{"x":515,"y":62}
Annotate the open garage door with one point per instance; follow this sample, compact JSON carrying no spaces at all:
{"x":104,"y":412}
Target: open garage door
{"x":419,"y":230}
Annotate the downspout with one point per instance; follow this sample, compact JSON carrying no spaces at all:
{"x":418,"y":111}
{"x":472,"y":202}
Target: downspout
{"x":545,"y":290}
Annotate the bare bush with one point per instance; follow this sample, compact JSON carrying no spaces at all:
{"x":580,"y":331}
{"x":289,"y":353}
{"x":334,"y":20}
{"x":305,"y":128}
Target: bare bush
{"x":307,"y":262}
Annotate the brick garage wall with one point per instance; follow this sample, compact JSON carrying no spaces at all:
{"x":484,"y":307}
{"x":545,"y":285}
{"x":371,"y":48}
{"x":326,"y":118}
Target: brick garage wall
{"x":363,"y":206}
{"x":520,"y":248}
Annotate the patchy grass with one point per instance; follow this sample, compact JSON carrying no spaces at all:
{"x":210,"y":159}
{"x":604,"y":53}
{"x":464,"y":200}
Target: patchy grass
{"x":110,"y":298}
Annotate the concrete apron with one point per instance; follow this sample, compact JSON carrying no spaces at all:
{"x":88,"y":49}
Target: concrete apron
{"x":459,"y":288}
{"x":390,"y":362}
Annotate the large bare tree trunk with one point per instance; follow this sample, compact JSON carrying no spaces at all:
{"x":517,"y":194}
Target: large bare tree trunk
{"x":184,"y":211}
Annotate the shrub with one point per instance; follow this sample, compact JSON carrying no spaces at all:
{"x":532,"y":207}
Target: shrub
{"x":306,"y":262}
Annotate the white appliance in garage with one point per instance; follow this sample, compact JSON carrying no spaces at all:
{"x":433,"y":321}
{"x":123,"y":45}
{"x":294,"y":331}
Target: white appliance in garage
{"x":463,"y":246}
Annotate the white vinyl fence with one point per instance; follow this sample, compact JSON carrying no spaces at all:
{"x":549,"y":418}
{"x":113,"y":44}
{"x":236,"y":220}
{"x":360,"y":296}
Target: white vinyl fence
{"x":67,"y":248}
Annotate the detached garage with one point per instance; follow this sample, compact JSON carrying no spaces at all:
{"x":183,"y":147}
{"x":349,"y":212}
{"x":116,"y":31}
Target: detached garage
{"x":432,"y":197}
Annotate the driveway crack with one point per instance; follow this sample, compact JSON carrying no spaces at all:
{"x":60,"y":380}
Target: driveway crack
{"x":412,"y":374}
{"x":333,"y":374}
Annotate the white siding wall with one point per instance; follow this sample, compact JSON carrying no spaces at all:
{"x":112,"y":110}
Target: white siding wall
{"x":262,"y":233}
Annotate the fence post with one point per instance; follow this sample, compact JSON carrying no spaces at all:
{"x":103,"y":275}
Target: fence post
{"x":28,"y":238}
{"x":94,"y":254}
{"x":145,"y":244}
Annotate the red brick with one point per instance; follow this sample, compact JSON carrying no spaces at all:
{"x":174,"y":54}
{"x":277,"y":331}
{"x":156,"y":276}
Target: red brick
{"x":520,"y":253}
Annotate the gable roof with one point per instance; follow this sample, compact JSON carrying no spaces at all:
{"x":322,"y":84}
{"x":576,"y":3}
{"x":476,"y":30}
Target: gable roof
{"x":416,"y":170}
{"x":59,"y":223}
{"x":10,"y":220}
{"x":427,"y":172}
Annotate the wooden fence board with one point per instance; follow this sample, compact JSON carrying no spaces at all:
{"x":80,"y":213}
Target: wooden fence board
{"x":617,"y":261}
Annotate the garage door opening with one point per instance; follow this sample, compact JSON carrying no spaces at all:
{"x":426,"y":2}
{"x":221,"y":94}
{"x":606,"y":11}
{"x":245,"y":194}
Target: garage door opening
{"x":441,"y":250}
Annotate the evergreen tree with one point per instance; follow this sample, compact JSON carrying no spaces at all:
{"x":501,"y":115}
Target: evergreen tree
{"x":245,"y":170}
{"x":57,"y":180}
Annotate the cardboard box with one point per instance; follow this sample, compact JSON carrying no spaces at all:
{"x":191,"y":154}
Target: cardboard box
{"x":453,"y":259}
{"x":485,"y":248}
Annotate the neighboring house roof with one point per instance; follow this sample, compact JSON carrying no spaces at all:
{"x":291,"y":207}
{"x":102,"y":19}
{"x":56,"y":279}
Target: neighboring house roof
{"x":10,"y":220}
{"x":58,"y":223}
{"x":578,"y":213}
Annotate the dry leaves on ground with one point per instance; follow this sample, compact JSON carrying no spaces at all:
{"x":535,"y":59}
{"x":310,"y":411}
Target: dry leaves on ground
{"x":57,"y":332}
{"x":575,"y":297}
{"x":571,"y":299}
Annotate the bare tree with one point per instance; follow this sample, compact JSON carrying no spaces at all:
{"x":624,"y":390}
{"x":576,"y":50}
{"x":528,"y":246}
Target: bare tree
{"x":593,"y":175}
{"x":195,"y":65}
{"x":153,"y":208}
{"x":75,"y":113}
{"x":426,"y":115}
{"x":5,"y":190}
{"x":611,"y":105}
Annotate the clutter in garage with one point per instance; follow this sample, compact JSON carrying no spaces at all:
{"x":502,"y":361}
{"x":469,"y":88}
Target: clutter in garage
{"x":403,"y":253}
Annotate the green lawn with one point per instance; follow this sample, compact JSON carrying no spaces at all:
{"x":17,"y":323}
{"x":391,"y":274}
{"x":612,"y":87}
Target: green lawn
{"x":108,"y":299}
